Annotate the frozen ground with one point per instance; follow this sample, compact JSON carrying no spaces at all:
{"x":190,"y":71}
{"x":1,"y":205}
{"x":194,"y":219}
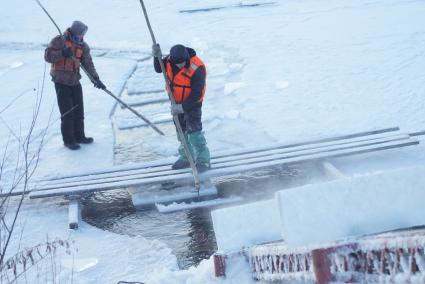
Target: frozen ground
{"x":292,"y":71}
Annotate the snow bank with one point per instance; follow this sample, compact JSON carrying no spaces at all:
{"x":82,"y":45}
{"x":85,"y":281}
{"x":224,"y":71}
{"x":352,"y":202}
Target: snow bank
{"x":95,"y":255}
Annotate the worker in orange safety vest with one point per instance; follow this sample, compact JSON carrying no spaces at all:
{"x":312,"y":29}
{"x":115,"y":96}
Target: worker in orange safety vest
{"x":187,"y":76}
{"x":66,"y":54}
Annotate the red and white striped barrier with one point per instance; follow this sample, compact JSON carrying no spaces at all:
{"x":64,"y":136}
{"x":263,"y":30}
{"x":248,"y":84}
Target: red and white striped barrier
{"x":391,"y":258}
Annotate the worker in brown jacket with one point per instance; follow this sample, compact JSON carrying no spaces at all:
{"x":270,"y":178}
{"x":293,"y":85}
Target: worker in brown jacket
{"x":66,"y":54}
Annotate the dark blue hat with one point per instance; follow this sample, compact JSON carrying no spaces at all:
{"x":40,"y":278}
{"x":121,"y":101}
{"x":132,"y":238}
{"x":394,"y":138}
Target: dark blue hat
{"x":78,"y":28}
{"x":178,"y":54}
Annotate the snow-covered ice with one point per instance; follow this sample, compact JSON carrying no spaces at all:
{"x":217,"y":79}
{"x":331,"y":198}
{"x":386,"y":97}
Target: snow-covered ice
{"x":293,"y":71}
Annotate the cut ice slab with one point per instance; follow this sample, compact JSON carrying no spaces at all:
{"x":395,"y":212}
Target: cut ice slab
{"x":174,"y":207}
{"x":246,"y":225}
{"x":79,"y":264}
{"x":353,"y":207}
{"x":150,"y":196}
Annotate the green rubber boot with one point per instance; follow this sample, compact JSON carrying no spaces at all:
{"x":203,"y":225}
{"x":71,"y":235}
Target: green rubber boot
{"x":182,"y":154}
{"x":198,"y":145}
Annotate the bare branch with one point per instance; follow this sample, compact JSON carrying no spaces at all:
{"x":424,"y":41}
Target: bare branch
{"x":22,"y":261}
{"x":3,"y":162}
{"x":24,"y":169}
{"x":15,"y":99}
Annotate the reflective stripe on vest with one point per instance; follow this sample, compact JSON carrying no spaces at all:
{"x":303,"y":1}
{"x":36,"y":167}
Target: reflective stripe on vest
{"x":67,"y":64}
{"x":180,"y":82}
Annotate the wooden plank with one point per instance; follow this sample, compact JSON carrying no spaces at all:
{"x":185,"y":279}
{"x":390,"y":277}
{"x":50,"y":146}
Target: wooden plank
{"x":240,"y":5}
{"x":187,"y":177}
{"x":220,"y":154}
{"x":143,"y":124}
{"x":227,"y":162}
{"x":114,"y":169}
{"x":139,"y":103}
{"x":419,"y":133}
{"x":164,"y":164}
{"x":302,"y":150}
{"x":316,"y":141}
{"x":216,"y":162}
{"x":319,"y":147}
{"x":146,"y":92}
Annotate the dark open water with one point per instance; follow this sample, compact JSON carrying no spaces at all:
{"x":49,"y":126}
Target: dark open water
{"x":188,"y":233}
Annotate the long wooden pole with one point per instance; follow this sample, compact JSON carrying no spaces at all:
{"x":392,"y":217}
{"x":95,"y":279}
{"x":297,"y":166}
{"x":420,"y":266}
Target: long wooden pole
{"x":93,"y":80}
{"x":173,"y":102}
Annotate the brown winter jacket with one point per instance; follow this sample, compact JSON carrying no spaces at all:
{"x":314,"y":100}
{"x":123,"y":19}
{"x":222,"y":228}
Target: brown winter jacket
{"x":53,"y":53}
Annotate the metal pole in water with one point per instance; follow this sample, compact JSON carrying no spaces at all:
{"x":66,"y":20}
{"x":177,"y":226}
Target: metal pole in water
{"x":173,"y":102}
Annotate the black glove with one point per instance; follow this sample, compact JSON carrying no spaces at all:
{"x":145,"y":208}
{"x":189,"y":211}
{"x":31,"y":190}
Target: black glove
{"x":176,"y":109}
{"x":98,"y":84}
{"x":67,"y":52}
{"x":156,"y":50}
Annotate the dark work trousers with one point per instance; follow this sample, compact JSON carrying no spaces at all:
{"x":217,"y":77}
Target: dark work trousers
{"x":191,"y":121}
{"x":192,"y":128}
{"x":71,"y":107}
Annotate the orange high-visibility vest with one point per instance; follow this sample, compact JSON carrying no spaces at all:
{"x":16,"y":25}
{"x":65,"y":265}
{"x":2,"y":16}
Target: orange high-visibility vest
{"x":180,"y":82}
{"x":67,"y":64}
